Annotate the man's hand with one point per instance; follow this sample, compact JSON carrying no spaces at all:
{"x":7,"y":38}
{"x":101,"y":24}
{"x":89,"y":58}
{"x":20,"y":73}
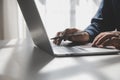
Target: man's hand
{"x":107,"y":39}
{"x":71,"y":34}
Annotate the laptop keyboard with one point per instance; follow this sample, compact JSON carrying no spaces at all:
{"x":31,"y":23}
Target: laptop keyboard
{"x":65,"y":49}
{"x":81,"y":49}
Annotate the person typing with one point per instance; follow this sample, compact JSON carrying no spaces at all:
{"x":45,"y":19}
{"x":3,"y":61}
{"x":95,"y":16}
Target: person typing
{"x":103,"y":31}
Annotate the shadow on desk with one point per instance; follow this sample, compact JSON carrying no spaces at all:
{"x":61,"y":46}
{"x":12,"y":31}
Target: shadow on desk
{"x":28,"y":62}
{"x":25,"y":60}
{"x":85,"y":70}
{"x":38,"y":60}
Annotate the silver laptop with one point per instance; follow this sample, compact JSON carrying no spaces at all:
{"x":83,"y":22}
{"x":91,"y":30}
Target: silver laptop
{"x":40,"y":37}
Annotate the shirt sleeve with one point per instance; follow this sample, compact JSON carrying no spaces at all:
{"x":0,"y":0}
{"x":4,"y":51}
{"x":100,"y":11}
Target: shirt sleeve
{"x":102,"y":21}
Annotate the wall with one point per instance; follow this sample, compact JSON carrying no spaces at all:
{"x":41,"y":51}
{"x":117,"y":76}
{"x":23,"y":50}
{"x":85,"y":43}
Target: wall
{"x":1,"y":19}
{"x":10,"y":19}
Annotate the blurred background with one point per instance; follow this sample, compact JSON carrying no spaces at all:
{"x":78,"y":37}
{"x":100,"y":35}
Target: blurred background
{"x":57,"y":15}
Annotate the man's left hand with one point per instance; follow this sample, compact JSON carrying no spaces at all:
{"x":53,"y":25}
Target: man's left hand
{"x":104,"y":39}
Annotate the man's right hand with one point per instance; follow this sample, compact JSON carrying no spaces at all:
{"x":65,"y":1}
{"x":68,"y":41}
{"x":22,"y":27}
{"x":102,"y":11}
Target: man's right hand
{"x":71,"y":34}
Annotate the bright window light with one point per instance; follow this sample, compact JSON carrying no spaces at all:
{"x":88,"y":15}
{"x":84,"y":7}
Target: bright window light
{"x":58,"y":15}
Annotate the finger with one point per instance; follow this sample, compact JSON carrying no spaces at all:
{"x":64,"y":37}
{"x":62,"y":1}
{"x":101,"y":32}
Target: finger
{"x":96,"y":39}
{"x":105,"y":43}
{"x":57,"y":41}
{"x":108,"y":35}
{"x":111,"y":42}
{"x":66,"y":33}
{"x":103,"y":38}
{"x":115,"y":41}
{"x":59,"y":34}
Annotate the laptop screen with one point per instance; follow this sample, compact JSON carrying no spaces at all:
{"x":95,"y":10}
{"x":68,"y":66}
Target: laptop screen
{"x":35,"y":24}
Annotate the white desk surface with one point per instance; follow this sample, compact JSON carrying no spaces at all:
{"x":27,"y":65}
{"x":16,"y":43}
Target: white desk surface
{"x":20,"y":60}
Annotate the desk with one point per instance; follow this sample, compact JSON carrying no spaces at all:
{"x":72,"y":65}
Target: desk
{"x":21,"y":60}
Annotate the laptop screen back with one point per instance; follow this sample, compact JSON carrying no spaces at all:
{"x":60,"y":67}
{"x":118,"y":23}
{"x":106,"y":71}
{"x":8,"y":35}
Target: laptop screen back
{"x":35,"y":24}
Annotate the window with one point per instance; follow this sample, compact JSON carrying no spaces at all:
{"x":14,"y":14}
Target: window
{"x":58,"y":15}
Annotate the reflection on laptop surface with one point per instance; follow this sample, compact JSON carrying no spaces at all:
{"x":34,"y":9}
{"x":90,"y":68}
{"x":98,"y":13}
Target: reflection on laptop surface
{"x":41,"y":39}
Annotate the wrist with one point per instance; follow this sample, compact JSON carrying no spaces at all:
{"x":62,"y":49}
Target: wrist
{"x":87,"y":36}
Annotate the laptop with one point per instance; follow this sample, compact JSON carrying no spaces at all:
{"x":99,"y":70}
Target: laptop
{"x":41,"y":39}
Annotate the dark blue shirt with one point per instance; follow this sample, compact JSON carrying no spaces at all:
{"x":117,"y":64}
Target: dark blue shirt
{"x":107,"y":18}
